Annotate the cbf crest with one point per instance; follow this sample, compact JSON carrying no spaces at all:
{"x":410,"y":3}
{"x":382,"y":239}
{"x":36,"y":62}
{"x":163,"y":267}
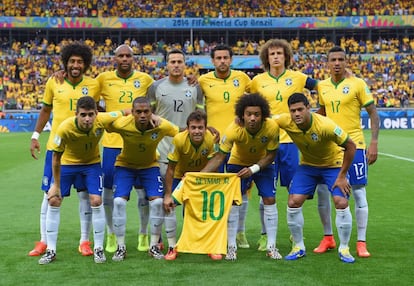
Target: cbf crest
{"x":204,"y":152}
{"x":236,"y":82}
{"x":137,"y":84}
{"x":154,"y":136}
{"x":288,"y":81}
{"x":264,"y":139}
{"x":85,"y":90}
{"x":346,"y":90}
{"x":314,"y":137}
{"x":188,"y":93}
{"x":98,"y":132}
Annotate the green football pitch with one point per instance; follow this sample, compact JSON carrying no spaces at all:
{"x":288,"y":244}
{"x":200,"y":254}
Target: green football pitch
{"x":390,"y":234}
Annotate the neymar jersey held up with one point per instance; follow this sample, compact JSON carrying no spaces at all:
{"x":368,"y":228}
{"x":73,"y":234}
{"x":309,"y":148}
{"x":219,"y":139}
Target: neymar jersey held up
{"x":319,"y":144}
{"x":343,"y":103}
{"x":207,"y":200}
{"x":118,"y":94}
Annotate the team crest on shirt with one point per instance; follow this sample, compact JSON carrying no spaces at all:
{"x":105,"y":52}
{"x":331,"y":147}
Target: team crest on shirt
{"x":154,"y":136}
{"x":188,"y":93}
{"x":98,"y":132}
{"x":314,"y":137}
{"x":236,"y":82}
{"x":264,"y":139}
{"x":204,"y":152}
{"x":289,"y":81}
{"x":346,"y":90}
{"x":85,"y":90}
{"x":137,"y":84}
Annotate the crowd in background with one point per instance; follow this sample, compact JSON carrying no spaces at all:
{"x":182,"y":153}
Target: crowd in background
{"x":203,"y":8}
{"x":25,"y":67}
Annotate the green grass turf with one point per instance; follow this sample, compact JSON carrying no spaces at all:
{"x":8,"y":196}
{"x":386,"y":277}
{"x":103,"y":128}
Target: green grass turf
{"x":390,"y":238}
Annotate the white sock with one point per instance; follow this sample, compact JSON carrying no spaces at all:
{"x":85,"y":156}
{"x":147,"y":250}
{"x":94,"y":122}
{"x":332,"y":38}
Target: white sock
{"x":108,"y":202}
{"x":43,"y":212}
{"x":270,"y":217}
{"x":242,"y":214}
{"x":361,"y":211}
{"x":261,"y":213}
{"x":344,"y":226}
{"x":156,"y":219}
{"x":119,"y":220}
{"x":98,"y":221}
{"x":324,"y":208}
{"x":232,"y":225}
{"x":295,"y":222}
{"x":52,"y":226}
{"x":171,"y":228}
{"x":85,"y":215}
{"x":143,"y":211}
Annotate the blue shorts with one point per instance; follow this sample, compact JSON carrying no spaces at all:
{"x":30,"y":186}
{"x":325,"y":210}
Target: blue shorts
{"x":307,"y":177}
{"x":286,"y":162}
{"x":89,"y":175}
{"x":264,"y":180}
{"x":175,"y":183}
{"x":223,"y":166}
{"x":108,"y":162}
{"x":358,"y":172}
{"x":47,"y":179}
{"x":126,"y":178}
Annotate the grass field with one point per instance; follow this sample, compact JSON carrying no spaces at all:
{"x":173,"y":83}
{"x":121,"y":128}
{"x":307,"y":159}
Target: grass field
{"x":390,"y":238}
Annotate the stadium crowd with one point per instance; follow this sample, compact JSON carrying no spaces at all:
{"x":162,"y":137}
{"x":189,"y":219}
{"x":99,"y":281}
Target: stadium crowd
{"x":203,"y":8}
{"x":25,"y":67}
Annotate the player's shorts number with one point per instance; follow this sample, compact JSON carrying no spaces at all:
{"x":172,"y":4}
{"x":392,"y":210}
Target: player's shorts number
{"x":209,"y":203}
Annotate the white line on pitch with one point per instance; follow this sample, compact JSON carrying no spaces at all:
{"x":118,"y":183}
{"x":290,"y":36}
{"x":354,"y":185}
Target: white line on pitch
{"x":397,"y":157}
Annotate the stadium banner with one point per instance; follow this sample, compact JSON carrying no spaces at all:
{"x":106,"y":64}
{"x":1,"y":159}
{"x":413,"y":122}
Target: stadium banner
{"x":389,"y":119}
{"x":341,"y":22}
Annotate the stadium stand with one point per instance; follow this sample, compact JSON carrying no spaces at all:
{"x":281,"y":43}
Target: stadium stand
{"x":203,"y":8}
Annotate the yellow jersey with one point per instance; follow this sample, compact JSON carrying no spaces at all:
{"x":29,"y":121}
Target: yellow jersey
{"x":63,"y":98}
{"x":343,"y":103}
{"x":80,"y":147}
{"x":139,"y":148}
{"x":246,"y":149}
{"x":319,"y":145}
{"x":207,"y":200}
{"x":187,"y":156}
{"x":118,"y":94}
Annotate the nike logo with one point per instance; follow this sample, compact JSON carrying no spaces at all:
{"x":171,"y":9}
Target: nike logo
{"x":61,"y":90}
{"x":163,"y":94}
{"x":264,"y":86}
{"x":211,"y":85}
{"x":111,"y":84}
